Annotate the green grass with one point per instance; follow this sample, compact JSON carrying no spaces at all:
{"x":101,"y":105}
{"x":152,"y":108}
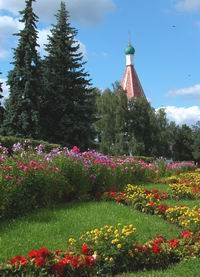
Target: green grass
{"x":189,"y":268}
{"x":181,"y":202}
{"x":53,"y":227}
{"x":161,"y":187}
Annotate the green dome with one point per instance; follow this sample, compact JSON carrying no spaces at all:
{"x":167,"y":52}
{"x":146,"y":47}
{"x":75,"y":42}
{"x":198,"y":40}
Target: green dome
{"x":129,"y":50}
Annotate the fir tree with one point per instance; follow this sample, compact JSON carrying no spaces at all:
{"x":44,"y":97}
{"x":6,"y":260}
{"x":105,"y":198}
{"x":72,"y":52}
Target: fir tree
{"x":68,"y":102}
{"x":22,"y":109}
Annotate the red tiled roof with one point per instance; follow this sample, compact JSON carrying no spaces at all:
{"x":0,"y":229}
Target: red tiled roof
{"x":131,"y":83}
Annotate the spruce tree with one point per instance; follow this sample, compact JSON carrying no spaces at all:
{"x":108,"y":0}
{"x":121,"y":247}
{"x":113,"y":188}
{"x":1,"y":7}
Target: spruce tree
{"x":68,"y":101}
{"x":22,"y":109}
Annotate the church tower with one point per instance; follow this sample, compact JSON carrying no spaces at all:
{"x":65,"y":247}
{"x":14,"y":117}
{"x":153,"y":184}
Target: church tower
{"x":130,"y":82}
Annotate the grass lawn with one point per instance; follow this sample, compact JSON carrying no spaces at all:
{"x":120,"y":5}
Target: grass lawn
{"x":53,"y":227}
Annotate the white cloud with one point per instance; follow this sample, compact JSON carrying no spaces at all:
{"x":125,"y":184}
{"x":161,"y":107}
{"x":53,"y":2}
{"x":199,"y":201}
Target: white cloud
{"x":84,"y":11}
{"x":82,"y":49}
{"x":12,"y":6}
{"x":42,"y":39}
{"x":5,"y":89}
{"x":188,"y":5}
{"x":89,"y":11}
{"x":188,"y":91}
{"x":4,"y":54}
{"x":9,"y":25}
{"x":182,"y":115}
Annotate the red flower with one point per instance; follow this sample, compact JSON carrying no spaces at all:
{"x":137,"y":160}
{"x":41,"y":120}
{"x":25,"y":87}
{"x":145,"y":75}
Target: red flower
{"x":72,"y":260}
{"x":186,"y":234}
{"x":42,"y":252}
{"x":89,"y":260}
{"x":40,"y":261}
{"x":58,"y":268}
{"x":33,"y":254}
{"x":18,"y":260}
{"x":174,"y":243}
{"x":85,"y":249}
{"x":75,"y":262}
{"x":152,"y":204}
{"x":158,"y":240}
{"x":162,"y":208}
{"x":155,"y":248}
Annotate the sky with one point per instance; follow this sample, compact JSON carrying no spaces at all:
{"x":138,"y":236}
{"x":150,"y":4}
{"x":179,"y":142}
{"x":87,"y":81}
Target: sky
{"x":164,"y":33}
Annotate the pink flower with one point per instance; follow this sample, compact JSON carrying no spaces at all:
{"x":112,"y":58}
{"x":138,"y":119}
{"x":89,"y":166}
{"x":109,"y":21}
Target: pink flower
{"x":25,"y":168}
{"x":8,"y":178}
{"x":75,"y":150}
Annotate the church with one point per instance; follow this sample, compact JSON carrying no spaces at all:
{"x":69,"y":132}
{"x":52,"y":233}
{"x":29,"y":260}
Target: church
{"x":130,"y":81}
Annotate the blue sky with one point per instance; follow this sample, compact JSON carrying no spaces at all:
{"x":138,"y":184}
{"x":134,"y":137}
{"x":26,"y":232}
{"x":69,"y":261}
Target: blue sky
{"x":164,"y":33}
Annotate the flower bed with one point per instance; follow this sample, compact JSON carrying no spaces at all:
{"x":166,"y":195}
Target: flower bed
{"x":149,"y":201}
{"x":105,"y":251}
{"x":32,"y":178}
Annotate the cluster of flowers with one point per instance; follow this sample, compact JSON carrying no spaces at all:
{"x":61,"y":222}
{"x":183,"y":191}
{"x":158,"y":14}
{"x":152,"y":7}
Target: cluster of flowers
{"x":185,"y":185}
{"x":184,"y":216}
{"x":50,"y":263}
{"x":17,"y":169}
{"x":148,"y":201}
{"x":185,"y":191}
{"x":104,"y":251}
{"x":3,"y":153}
{"x":134,"y":194}
{"x":177,"y":166}
{"x":91,"y":157}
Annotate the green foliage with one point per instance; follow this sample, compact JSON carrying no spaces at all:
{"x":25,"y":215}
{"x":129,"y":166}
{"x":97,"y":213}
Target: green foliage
{"x":26,"y":186}
{"x":139,"y":124}
{"x":196,"y":142}
{"x":68,"y":103}
{"x":182,"y":148}
{"x":74,"y":172}
{"x":135,"y":128}
{"x":22,"y":108}
{"x":111,"y":123}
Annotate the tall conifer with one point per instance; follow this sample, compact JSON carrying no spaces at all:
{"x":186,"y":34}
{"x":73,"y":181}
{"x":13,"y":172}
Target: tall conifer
{"x":68,"y":102}
{"x":22,"y":110}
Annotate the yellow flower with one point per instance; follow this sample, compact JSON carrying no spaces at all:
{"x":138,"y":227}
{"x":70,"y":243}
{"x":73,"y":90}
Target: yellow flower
{"x":71,"y":241}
